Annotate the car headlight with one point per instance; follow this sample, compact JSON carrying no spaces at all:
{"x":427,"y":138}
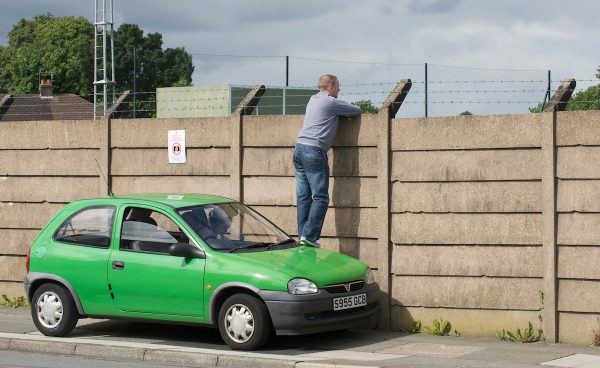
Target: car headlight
{"x":302,"y":286}
{"x":369,"y":277}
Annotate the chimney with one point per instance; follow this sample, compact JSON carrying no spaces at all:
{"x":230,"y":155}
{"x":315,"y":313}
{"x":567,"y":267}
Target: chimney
{"x":45,"y":87}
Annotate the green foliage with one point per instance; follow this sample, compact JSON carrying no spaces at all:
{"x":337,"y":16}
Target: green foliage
{"x":154,"y":67}
{"x":14,"y":302}
{"x":416,"y":328}
{"x":366,"y":106}
{"x":465,"y":113}
{"x":528,"y":335}
{"x":64,"y":47}
{"x":441,"y":328}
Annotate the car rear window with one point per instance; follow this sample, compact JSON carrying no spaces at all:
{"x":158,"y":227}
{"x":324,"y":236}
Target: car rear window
{"x":90,"y":226}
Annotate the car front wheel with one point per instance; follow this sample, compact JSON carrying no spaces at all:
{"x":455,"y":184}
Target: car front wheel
{"x":53,"y":310}
{"x":244,"y":322}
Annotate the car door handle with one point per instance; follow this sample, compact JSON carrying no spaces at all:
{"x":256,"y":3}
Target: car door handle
{"x":118,"y":265}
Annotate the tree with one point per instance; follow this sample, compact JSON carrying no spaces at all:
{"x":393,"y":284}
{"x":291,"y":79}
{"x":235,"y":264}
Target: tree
{"x":64,"y":46}
{"x":48,"y":45}
{"x":153,"y":66}
{"x":366,"y":106}
{"x":467,"y":112}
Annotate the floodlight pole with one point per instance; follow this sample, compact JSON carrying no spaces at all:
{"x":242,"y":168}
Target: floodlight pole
{"x":103,"y":36}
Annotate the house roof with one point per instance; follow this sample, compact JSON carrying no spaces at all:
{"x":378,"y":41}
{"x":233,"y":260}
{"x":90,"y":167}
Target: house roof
{"x":58,"y":107}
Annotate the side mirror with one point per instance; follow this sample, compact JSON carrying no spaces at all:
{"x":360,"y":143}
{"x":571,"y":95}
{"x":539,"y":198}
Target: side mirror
{"x":186,"y":250}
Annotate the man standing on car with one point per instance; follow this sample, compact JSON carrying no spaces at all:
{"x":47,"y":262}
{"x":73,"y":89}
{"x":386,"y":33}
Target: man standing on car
{"x":310,"y":157}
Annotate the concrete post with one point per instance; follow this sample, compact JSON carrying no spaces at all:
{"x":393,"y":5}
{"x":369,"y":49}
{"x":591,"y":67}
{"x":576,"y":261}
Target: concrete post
{"x":561,"y":97}
{"x":549,"y":195}
{"x":245,"y":107}
{"x":104,"y":176}
{"x":386,"y":114}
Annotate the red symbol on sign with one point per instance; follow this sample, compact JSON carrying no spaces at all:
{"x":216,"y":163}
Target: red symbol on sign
{"x":176,"y":148}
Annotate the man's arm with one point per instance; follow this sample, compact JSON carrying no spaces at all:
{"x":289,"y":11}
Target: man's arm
{"x":345,"y":109}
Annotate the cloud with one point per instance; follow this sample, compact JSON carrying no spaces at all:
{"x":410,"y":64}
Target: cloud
{"x":433,"y":6}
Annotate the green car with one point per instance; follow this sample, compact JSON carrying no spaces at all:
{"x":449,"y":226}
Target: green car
{"x":191,"y":259}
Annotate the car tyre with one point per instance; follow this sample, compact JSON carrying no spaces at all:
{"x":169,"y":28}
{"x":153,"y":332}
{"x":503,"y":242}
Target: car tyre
{"x":244,"y":322}
{"x":53,"y":310}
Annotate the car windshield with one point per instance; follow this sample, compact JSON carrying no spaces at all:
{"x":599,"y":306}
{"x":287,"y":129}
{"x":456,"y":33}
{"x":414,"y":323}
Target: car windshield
{"x":233,"y":226}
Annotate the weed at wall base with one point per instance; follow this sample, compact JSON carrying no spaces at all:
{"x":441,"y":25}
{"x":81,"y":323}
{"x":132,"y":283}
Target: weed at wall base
{"x":14,"y":302}
{"x":528,"y":335}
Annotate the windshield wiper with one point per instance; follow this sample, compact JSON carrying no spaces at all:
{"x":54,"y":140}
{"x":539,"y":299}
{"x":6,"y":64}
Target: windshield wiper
{"x":286,"y":241}
{"x":255,"y":245}
{"x":261,"y":245}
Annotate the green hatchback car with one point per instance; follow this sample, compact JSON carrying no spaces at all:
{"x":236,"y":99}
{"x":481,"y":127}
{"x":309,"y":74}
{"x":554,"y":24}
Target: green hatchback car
{"x":190,"y":259}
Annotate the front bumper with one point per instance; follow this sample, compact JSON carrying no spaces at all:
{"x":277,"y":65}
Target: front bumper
{"x":306,"y":314}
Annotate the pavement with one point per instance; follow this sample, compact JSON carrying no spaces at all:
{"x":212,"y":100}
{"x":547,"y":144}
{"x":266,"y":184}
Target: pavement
{"x":202,"y":347}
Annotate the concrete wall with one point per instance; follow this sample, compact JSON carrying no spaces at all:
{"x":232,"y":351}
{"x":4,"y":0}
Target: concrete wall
{"x":43,"y":165}
{"x":486,"y":213}
{"x":467,"y":221}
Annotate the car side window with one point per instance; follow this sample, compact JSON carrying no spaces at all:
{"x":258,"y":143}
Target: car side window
{"x":147,"y":231}
{"x":90,"y":227}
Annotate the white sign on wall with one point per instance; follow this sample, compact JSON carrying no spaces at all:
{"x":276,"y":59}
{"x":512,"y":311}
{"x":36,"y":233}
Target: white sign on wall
{"x":177,"y":146}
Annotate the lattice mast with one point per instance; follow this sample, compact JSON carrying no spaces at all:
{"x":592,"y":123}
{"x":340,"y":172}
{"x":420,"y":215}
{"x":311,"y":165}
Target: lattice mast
{"x":104,"y":53}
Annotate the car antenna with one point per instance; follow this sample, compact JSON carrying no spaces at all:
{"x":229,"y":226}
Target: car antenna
{"x":110,"y":193}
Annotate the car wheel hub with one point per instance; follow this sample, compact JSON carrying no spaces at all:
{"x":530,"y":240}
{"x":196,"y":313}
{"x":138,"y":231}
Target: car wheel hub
{"x":239,"y":323}
{"x":50,"y":310}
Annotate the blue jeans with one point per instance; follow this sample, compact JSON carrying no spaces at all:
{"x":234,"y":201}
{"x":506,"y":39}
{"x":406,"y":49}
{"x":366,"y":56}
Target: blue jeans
{"x":312,"y":184}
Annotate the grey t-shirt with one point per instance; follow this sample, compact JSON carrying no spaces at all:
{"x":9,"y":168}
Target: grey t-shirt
{"x":322,"y":119}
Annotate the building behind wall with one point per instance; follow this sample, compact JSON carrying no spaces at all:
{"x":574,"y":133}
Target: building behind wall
{"x":221,"y":100}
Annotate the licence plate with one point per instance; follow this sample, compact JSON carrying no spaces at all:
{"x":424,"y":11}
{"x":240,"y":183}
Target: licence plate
{"x":347,"y":302}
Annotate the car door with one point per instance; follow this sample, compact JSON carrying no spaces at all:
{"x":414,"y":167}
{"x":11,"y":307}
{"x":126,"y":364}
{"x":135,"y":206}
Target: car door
{"x":143,"y":277}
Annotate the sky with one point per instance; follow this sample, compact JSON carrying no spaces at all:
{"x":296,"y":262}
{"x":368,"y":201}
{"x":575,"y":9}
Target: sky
{"x":484,"y":56}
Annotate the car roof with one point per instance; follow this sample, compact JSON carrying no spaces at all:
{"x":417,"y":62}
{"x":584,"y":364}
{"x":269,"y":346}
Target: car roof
{"x":175,"y":200}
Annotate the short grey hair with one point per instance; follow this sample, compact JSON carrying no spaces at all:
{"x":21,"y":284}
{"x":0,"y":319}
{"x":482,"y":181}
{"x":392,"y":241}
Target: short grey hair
{"x":325,"y":81}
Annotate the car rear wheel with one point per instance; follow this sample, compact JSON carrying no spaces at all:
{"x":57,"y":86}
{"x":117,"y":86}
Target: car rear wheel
{"x":53,"y":310}
{"x":244,"y":322}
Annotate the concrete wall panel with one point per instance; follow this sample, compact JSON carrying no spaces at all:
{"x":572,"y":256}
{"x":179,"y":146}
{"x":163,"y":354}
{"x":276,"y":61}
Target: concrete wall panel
{"x":578,"y":162}
{"x":282,"y":131}
{"x":467,"y":197}
{"x":271,"y":131}
{"x":13,"y":268}
{"x":12,"y":289}
{"x":148,"y":161}
{"x":49,"y":162}
{"x":343,"y":161}
{"x":578,"y":229}
{"x":577,"y":328}
{"x":344,"y":191}
{"x":578,"y":296}
{"x":469,"y":322}
{"x":575,"y":128}
{"x":153,"y":133}
{"x":578,"y":195}
{"x":25,"y":135}
{"x":467,"y":261}
{"x":579,"y":263}
{"x":26,"y":215}
{"x":339,"y":222}
{"x":457,"y":292}
{"x":509,"y":229}
{"x":50,"y":189}
{"x":467,"y":132}
{"x":217,"y":185}
{"x":16,"y":241}
{"x":467,"y":165}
